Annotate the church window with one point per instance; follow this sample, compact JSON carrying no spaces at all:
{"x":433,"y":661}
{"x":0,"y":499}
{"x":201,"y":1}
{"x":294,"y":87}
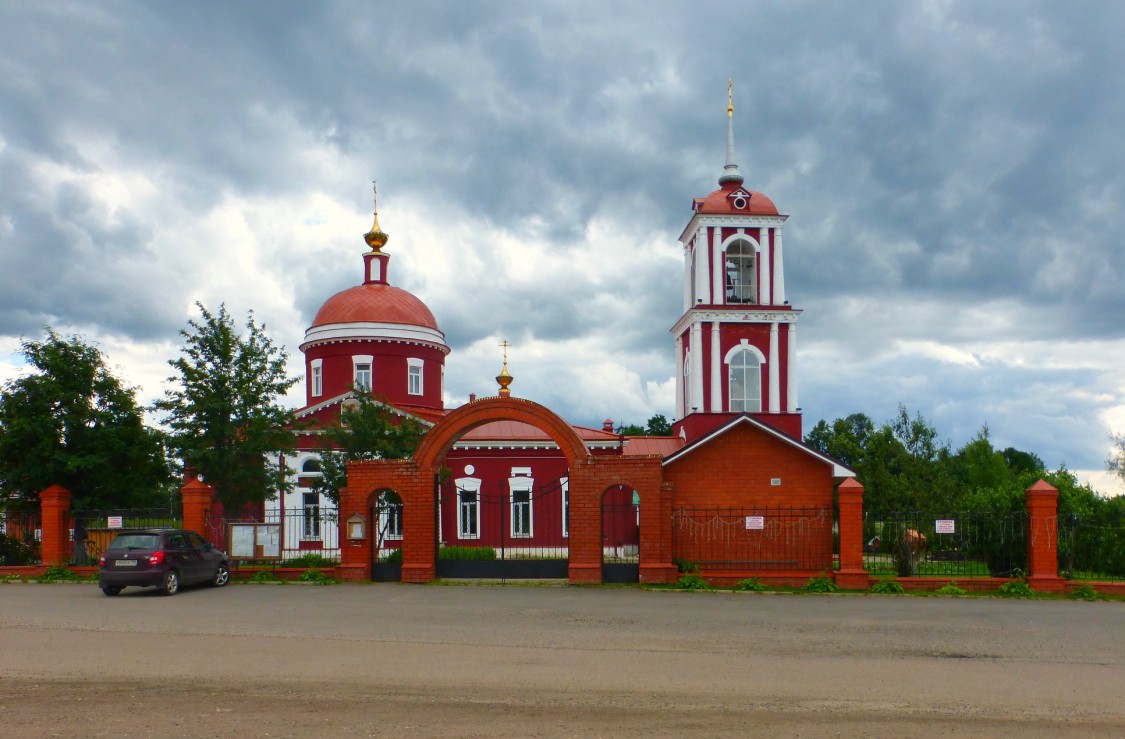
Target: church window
{"x":361,"y":376}
{"x":414,"y":376}
{"x":317,"y":382}
{"x":390,"y":515}
{"x":745,"y":385}
{"x":311,"y":510}
{"x":740,"y":273}
{"x":469,"y":514}
{"x":521,"y":484}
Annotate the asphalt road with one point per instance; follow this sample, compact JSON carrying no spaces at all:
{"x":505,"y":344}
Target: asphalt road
{"x":371,"y":660}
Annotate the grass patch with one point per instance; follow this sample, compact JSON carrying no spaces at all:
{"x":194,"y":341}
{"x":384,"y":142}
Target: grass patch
{"x":57,"y":574}
{"x":265,"y":576}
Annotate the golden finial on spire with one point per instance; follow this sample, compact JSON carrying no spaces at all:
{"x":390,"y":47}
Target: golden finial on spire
{"x":376,"y":238}
{"x":505,"y":379}
{"x":730,"y":97}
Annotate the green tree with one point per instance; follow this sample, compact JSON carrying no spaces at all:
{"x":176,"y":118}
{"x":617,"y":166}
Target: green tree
{"x":71,"y":422}
{"x":223,"y":407}
{"x":1116,"y":461}
{"x":366,"y":429}
{"x":658,"y":425}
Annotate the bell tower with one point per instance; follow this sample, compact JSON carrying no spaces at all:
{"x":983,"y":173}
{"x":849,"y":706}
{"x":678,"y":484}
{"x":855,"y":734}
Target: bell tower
{"x":736,"y":343}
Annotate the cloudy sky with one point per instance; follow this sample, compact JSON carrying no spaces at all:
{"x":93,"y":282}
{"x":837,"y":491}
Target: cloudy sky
{"x":953,"y":172}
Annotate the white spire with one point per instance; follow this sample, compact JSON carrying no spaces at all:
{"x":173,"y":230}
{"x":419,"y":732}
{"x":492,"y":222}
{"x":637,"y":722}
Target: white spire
{"x":730,"y":171}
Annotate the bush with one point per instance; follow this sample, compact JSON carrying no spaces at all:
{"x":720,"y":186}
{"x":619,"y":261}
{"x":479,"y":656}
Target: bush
{"x":887,"y":587}
{"x":750,"y":584}
{"x":394,"y":557}
{"x":1017,"y":589}
{"x":465,"y":553}
{"x":692,"y":582}
{"x":265,"y":576}
{"x":685,"y":566}
{"x":312,"y":559}
{"x":56,"y":573}
{"x":1085,"y":592}
{"x":315,"y":576}
{"x":820,"y":585}
{"x":951,"y":589}
{"x":15,"y":552}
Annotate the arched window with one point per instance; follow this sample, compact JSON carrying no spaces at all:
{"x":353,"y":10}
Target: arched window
{"x":311,"y":466}
{"x":745,"y":385}
{"x":740,"y":272}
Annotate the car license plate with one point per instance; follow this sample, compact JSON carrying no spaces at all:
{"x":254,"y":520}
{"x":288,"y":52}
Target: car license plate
{"x":126,"y":563}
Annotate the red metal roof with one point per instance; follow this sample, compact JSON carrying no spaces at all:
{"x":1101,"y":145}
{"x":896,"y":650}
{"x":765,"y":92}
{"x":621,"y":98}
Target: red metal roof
{"x":375,"y":303}
{"x":719,"y":202}
{"x":660,"y":445}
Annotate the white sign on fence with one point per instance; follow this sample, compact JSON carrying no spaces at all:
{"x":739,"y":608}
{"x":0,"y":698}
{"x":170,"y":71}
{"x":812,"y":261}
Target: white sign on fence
{"x":755,"y":523}
{"x":114,"y":522}
{"x":945,"y":526}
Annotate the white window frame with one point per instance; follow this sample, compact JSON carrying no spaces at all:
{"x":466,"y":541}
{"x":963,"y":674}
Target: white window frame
{"x":316,"y":381}
{"x":735,"y":352}
{"x":746,"y":279}
{"x":522,"y":485}
{"x":359,"y":360}
{"x":468,"y":485}
{"x":414,"y":371}
{"x":310,"y":517}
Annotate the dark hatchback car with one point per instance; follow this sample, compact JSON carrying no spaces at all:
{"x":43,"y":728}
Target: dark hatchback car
{"x":166,"y":559}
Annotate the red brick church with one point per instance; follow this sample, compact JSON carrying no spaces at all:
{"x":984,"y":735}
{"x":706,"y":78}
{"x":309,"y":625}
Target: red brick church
{"x":733,"y":492}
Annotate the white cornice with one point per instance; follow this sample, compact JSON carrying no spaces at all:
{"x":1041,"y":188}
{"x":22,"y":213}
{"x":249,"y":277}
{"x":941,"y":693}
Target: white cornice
{"x":702,"y":220}
{"x":370,"y":331}
{"x":734,"y":314}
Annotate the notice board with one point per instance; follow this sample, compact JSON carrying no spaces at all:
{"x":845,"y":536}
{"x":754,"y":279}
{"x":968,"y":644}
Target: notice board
{"x":254,"y":540}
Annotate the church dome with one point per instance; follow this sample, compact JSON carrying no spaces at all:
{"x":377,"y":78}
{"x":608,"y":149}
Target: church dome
{"x":375,"y":303}
{"x":732,"y":198}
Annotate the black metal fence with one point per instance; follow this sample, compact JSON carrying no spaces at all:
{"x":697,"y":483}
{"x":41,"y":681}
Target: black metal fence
{"x":1092,"y":549}
{"x":311,"y":532}
{"x":20,"y":537}
{"x":92,"y":531}
{"x":965,"y":544}
{"x":748,"y":539}
{"x":504,"y":531}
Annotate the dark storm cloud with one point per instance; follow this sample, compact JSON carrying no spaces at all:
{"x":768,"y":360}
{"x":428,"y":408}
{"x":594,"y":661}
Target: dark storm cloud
{"x":942,"y":154}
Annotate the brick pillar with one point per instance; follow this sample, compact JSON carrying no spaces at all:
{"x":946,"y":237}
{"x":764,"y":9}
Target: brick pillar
{"x":419,"y":528}
{"x":656,"y":537}
{"x":54,"y":504}
{"x":197,"y":497}
{"x":851,"y":574}
{"x":1043,"y":538}
{"x":355,"y":554}
{"x":585,"y":524}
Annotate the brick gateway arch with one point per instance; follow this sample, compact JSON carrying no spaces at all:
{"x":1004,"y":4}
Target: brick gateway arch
{"x":415,"y":482}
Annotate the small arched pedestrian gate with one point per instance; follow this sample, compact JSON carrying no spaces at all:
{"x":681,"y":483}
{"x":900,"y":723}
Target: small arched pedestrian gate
{"x":386,"y":536}
{"x":621,"y":535}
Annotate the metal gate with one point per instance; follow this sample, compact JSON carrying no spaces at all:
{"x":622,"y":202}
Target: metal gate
{"x":621,"y":535}
{"x":508,"y":530}
{"x":386,"y":538}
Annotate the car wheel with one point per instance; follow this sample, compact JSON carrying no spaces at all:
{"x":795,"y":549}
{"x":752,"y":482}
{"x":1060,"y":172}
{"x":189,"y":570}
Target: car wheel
{"x":222,"y":576}
{"x":111,"y":590}
{"x":171,"y":584}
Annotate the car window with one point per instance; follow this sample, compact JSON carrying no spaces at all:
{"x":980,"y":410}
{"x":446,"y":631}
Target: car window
{"x":195,"y":540}
{"x":135,"y":541}
{"x":177,"y":541}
